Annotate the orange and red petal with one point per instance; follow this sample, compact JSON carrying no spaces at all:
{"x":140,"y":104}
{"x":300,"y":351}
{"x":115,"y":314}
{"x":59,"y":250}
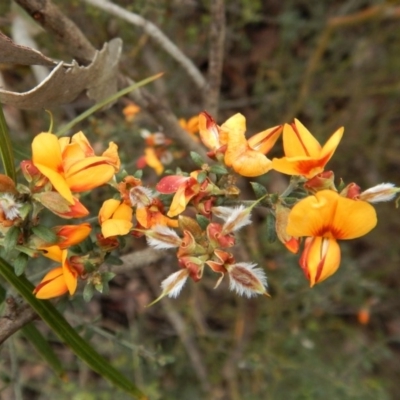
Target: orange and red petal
{"x":72,"y":234}
{"x":265,"y":140}
{"x":52,"y":285}
{"x":320,"y":259}
{"x":298,"y":141}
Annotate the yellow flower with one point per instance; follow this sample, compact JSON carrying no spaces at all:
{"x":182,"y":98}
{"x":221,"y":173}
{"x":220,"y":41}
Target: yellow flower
{"x":325,"y":218}
{"x":115,"y":218}
{"x":70,"y":163}
{"x":191,"y":126}
{"x":303,"y":154}
{"x":59,"y":280}
{"x":246,"y":157}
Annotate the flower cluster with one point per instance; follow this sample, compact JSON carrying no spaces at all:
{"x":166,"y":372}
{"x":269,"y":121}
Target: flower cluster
{"x":197,"y":213}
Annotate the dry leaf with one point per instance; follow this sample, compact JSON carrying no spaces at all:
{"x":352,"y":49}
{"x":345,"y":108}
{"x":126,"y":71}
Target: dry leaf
{"x":12,"y":53}
{"x":63,"y":84}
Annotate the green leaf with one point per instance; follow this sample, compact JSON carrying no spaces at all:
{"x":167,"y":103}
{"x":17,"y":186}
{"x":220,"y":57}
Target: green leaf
{"x":100,"y":105}
{"x":197,"y":158}
{"x":259,"y":190}
{"x":52,"y":317}
{"x":270,"y":228}
{"x":201,"y":177}
{"x":43,"y":348}
{"x":202,"y":221}
{"x":218,"y":169}
{"x":11,"y":239}
{"x":88,"y":292}
{"x":6,"y":151}
{"x":44,"y":233}
{"x":20,"y":263}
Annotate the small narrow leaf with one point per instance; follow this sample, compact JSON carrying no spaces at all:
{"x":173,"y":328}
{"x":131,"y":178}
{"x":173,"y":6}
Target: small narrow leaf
{"x":218,"y":169}
{"x":44,"y":233}
{"x":11,"y":239}
{"x":259,"y":190}
{"x":197,"y":158}
{"x":202,"y":221}
{"x":20,"y":263}
{"x":270,"y":228}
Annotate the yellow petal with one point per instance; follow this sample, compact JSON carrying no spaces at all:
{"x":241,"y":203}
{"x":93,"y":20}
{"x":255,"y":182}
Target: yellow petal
{"x":46,"y":151}
{"x":179,"y":202}
{"x":123,"y":212}
{"x":58,"y":181}
{"x":52,"y":285}
{"x":115,"y":227}
{"x":298,"y":141}
{"x":251,"y":163}
{"x":80,"y":139}
{"x":108,"y":209}
{"x":70,"y":275}
{"x":72,"y":234}
{"x":209,"y":131}
{"x":153,"y":161}
{"x":53,"y":252}
{"x":90,"y":178}
{"x":265,"y":140}
{"x":353,"y":218}
{"x":313,"y":215}
{"x":331,"y":145}
{"x":112,"y":155}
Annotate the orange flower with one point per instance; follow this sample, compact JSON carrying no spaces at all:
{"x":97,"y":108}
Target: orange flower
{"x":70,"y":163}
{"x":184,"y":187}
{"x":70,"y":235}
{"x":59,"y":280}
{"x":246,"y":157}
{"x":325,"y":218}
{"x":130,"y":111}
{"x":152,"y":215}
{"x":191,"y":126}
{"x":303,"y":154}
{"x":115,"y":218}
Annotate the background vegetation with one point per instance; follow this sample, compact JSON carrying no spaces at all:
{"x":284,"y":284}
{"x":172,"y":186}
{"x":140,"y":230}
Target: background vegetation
{"x":327,"y":63}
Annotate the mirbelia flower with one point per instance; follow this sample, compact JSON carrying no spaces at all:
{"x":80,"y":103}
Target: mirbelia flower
{"x":246,"y":157}
{"x":323,"y":219}
{"x":115,"y":218}
{"x":64,"y":278}
{"x":71,"y":165}
{"x":303,"y":154}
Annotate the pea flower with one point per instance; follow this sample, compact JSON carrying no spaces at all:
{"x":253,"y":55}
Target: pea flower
{"x":115,"y":218}
{"x":303,"y":154}
{"x":246,"y":157}
{"x":70,"y":163}
{"x":325,"y":218}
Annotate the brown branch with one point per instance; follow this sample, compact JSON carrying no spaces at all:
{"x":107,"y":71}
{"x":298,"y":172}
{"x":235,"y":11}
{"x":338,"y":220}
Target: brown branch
{"x":14,"y":318}
{"x":64,"y":30}
{"x":67,"y":33}
{"x":215,"y":57}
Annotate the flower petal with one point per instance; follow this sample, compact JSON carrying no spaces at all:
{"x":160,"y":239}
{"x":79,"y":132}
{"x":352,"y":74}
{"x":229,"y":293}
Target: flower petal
{"x":265,"y":140}
{"x":46,"y":151}
{"x":353,"y":218}
{"x":251,"y":163}
{"x":331,"y":145}
{"x":298,"y":141}
{"x":114,"y":227}
{"x":108,"y":209}
{"x":313,"y":215}
{"x":52,"y":285}
{"x":322,"y":259}
{"x":90,"y":178}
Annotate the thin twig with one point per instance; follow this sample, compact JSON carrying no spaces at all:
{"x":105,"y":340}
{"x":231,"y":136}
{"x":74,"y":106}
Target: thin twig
{"x":156,"y":34}
{"x":215,"y":57}
{"x":14,"y":318}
